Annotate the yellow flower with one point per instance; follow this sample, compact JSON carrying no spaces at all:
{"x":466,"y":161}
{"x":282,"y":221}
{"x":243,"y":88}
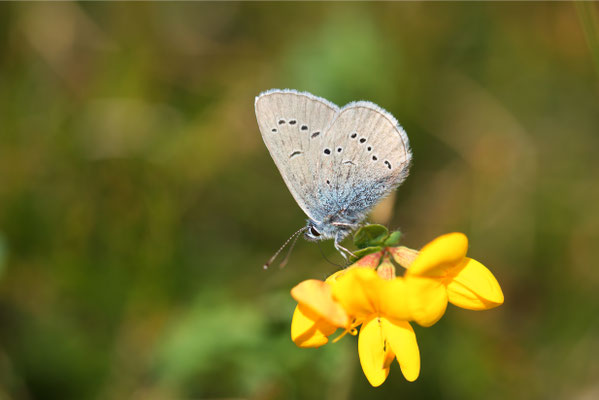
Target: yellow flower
{"x":371,"y":295}
{"x":380,"y":305}
{"x":317,"y":315}
{"x":441,"y":272}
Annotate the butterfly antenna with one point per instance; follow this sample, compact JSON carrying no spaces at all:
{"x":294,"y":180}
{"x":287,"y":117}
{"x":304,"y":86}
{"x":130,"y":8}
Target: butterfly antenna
{"x":284,"y":262}
{"x":295,"y":235}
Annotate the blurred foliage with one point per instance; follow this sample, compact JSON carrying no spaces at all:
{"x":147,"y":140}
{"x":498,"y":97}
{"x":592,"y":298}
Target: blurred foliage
{"x":138,"y":202}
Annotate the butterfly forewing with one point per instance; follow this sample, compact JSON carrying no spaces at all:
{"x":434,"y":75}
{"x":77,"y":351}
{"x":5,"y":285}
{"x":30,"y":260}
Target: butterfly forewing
{"x":293,"y":127}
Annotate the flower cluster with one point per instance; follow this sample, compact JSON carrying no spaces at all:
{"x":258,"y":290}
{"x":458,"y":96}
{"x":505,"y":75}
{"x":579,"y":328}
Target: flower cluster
{"x":370,"y":295}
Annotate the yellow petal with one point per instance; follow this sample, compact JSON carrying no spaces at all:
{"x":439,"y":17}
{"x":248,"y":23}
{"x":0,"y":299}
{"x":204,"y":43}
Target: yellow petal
{"x":368,"y":261}
{"x":317,"y":295}
{"x":427,"y":299}
{"x":474,"y":287}
{"x":363,"y":293}
{"x":357,"y":290}
{"x":308,"y":329}
{"x":333,"y":278}
{"x":373,"y":352}
{"x":440,"y":255}
{"x":393,"y":299}
{"x":389,"y":357}
{"x":401,"y":338}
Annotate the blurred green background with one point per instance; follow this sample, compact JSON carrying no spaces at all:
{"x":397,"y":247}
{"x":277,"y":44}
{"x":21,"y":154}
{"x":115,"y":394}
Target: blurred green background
{"x":138,"y":202}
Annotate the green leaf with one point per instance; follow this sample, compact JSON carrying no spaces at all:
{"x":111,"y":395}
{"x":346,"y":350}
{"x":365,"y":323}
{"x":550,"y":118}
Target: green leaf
{"x":364,"y":252}
{"x":393,"y":239}
{"x":370,"y":235}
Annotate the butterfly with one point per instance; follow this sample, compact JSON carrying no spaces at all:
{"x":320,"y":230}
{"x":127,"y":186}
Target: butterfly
{"x":338,"y":163}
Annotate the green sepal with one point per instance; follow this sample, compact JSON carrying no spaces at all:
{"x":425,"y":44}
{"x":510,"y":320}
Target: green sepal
{"x":370,"y":235}
{"x":364,"y":252}
{"x":393,"y":239}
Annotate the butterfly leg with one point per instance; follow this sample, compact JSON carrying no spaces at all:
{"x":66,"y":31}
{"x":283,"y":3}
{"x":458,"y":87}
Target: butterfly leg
{"x":351,"y":226}
{"x":344,"y":252}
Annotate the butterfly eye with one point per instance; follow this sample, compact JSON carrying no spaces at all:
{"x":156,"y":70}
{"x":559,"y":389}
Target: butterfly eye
{"x":314,"y":232}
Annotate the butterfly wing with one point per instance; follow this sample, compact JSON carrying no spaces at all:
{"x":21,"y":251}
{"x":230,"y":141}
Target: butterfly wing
{"x":293,"y":127}
{"x":370,"y":156}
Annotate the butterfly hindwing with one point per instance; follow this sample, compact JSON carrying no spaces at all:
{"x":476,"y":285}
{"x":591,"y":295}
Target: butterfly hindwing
{"x":293,"y":127}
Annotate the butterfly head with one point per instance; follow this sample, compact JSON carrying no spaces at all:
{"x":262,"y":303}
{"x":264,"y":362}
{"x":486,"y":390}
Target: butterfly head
{"x":323,"y":230}
{"x":312,"y":232}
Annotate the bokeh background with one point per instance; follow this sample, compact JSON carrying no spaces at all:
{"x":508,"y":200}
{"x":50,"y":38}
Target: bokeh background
{"x":138,"y":202}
